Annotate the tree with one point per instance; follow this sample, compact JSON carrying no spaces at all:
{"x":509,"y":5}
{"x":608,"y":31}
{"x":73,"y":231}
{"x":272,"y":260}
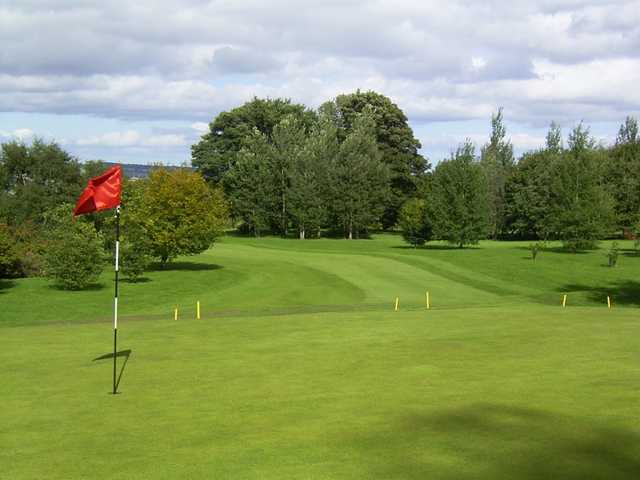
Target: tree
{"x":74,"y":257}
{"x":399,"y":149}
{"x":251,"y":186}
{"x":497,"y":160}
{"x":554,"y":138}
{"x":177,"y":214}
{"x":527,"y":194}
{"x":358,"y":179}
{"x":36,"y":176}
{"x":623,"y":175}
{"x":580,"y":207}
{"x":288,"y":139}
{"x":217,"y":151}
{"x":458,"y":201}
{"x":413,"y":221}
{"x":628,"y":132}
{"x":310,"y":177}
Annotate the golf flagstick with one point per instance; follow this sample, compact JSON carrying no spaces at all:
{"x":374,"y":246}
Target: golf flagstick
{"x":115,"y":299}
{"x":103,"y":193}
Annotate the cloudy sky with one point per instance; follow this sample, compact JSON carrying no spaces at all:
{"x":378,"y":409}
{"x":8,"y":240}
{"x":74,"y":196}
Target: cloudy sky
{"x":138,"y":81}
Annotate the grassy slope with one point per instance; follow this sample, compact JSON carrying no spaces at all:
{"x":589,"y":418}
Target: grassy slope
{"x":253,"y":275}
{"x":467,"y":390}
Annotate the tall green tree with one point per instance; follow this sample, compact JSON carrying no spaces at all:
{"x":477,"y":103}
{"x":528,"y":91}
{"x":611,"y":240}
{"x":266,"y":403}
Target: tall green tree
{"x":36,"y":176}
{"x":288,"y":139}
{"x":399,"y":149}
{"x":459,"y":202}
{"x":623,"y":175}
{"x":358,"y":179}
{"x":252,"y":186}
{"x":309,"y":194}
{"x":497,"y":160}
{"x":217,"y":150}
{"x":580,"y":206}
{"x":528,"y":194}
{"x":528,"y":188}
{"x":177,"y":214}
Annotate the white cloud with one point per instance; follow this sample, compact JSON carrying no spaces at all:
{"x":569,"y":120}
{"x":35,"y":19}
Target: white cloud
{"x":18,"y":134}
{"x":562,"y":60}
{"x":132,"y":138}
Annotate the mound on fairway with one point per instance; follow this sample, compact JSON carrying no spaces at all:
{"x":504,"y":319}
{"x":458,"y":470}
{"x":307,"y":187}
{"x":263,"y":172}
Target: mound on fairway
{"x":300,"y":368}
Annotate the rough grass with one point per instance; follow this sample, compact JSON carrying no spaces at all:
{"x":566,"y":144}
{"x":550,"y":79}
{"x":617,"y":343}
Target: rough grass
{"x":309,"y":373}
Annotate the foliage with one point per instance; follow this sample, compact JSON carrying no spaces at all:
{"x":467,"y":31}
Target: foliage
{"x":554,"y":138}
{"x":458,"y":204}
{"x":528,"y":194}
{"x":74,"y":258}
{"x":35,"y":177}
{"x":413,"y":221}
{"x":250,"y":184}
{"x":217,"y":151}
{"x":497,"y":161}
{"x":623,"y":175}
{"x":358,"y":179}
{"x":580,"y":207}
{"x":309,"y":177}
{"x":134,"y":261}
{"x":9,"y":260}
{"x":177,"y":214}
{"x":399,"y":149}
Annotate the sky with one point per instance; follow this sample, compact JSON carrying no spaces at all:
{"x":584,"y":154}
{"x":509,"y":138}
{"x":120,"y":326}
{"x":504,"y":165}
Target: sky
{"x":138,"y":82}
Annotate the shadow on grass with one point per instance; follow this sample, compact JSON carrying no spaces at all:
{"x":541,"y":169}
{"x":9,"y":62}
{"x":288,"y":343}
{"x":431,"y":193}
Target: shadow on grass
{"x":188,"y":266}
{"x":121,"y":353}
{"x":137,"y":280}
{"x":559,"y":250}
{"x":89,"y":288}
{"x":6,"y":284}
{"x":490,"y":441}
{"x":625,"y":292}
{"x":466,"y":248}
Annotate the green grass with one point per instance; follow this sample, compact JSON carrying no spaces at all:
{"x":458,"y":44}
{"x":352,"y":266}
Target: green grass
{"x":300,"y":368}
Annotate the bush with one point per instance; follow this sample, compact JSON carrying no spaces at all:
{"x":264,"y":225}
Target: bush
{"x":133,"y":261}
{"x":74,"y":258}
{"x":9,"y":261}
{"x":416,"y":228}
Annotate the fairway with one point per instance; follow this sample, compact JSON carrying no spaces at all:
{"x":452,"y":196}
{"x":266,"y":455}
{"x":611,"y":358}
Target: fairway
{"x":301,"y":368}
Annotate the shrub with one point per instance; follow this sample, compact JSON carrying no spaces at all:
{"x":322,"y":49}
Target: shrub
{"x":416,"y":228}
{"x":9,"y":261}
{"x":133,"y":261}
{"x":74,"y":258}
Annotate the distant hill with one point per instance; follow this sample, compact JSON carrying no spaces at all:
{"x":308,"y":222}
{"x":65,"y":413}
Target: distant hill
{"x":134,"y":170}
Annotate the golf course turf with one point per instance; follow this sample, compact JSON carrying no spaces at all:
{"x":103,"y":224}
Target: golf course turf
{"x":300,"y":368}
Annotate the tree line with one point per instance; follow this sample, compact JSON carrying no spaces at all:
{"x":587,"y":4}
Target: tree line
{"x":354,"y":166}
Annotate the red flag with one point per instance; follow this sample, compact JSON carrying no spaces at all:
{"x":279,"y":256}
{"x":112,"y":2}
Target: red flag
{"x":102,"y":193}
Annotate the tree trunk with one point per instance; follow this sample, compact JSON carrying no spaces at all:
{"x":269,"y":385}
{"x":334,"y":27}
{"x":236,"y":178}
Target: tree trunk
{"x":350,"y":230}
{"x":302,"y":233}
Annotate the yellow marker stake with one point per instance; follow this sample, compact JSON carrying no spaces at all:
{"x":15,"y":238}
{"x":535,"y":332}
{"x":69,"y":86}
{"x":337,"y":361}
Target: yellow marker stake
{"x":397,"y":302}
{"x":608,"y":301}
{"x":428,"y":303}
{"x":198,"y":309}
{"x":564,"y":301}
{"x":175,"y":313}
